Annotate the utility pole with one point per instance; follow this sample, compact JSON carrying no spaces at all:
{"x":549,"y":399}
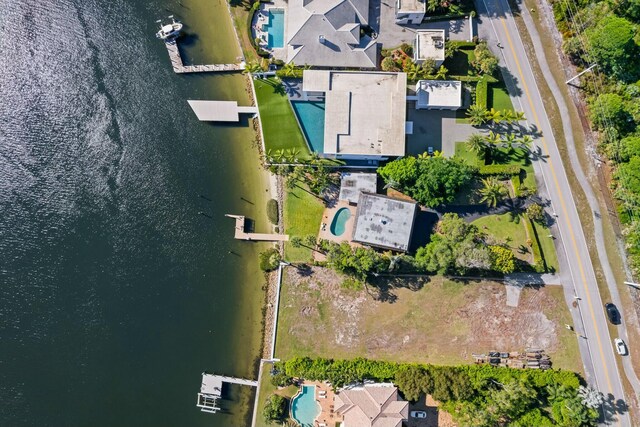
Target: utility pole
{"x":579,"y":74}
{"x":633,"y":285}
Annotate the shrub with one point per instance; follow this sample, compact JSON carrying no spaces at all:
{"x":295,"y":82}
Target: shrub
{"x":388,"y":64}
{"x":272,"y":211}
{"x":535,"y":212}
{"x":296,"y":74}
{"x":482,"y":91}
{"x":502,"y":259}
{"x":458,"y":44}
{"x":270,"y":259}
{"x":274,"y":408}
{"x":504,"y":171}
{"x":281,"y":379}
{"x":407,"y":48}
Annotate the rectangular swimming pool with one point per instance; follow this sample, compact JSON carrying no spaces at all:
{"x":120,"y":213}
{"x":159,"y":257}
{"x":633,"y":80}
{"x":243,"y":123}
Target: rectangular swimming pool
{"x":311,"y":118}
{"x":275,"y":28}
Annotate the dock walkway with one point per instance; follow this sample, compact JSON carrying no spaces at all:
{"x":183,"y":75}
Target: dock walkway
{"x":240,"y":234}
{"x":211,"y":390}
{"x":180,"y":68}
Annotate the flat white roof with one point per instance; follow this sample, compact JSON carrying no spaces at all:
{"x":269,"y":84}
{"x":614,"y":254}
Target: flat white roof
{"x":384,"y":222}
{"x":352,"y":184}
{"x":219,"y":111}
{"x":438,"y":93}
{"x":365,"y":112}
{"x":429,"y":44}
{"x":412,"y":6}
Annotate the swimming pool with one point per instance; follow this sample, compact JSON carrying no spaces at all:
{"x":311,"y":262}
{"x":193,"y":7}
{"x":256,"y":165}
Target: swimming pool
{"x":311,"y":118}
{"x":304,"y":408}
{"x":275,"y":28}
{"x":339,"y":221}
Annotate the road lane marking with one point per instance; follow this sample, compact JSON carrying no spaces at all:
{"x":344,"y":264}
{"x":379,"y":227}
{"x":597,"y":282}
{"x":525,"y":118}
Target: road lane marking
{"x":562,"y":202}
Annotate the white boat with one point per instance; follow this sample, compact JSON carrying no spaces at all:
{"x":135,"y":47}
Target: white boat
{"x":169,"y":31}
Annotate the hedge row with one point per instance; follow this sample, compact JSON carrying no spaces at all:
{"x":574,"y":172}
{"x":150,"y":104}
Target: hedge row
{"x":297,"y":74}
{"x":539,"y":263}
{"x":499,"y":170}
{"x":260,"y":51}
{"x":458,"y":44}
{"x":482,"y":92}
{"x":342,"y":372}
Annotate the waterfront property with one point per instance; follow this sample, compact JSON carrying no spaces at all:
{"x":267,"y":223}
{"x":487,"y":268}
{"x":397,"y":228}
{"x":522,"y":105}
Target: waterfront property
{"x":429,"y":44}
{"x":327,"y":33}
{"x":384,"y":222}
{"x":371,"y":405}
{"x":179,"y":67}
{"x":337,"y":224}
{"x":310,"y":116}
{"x":304,"y":407}
{"x":438,"y":94}
{"x":364,"y":112}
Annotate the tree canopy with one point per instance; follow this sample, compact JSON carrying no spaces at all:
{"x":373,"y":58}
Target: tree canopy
{"x":274,"y":408}
{"x":611,"y":43}
{"x":432,"y":181}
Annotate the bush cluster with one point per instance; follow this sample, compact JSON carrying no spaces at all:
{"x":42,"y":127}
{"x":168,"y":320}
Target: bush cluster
{"x":272,"y":211}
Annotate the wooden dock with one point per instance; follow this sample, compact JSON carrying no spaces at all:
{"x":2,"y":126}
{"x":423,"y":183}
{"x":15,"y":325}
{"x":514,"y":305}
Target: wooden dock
{"x":180,"y":68}
{"x":211,"y":390}
{"x":240,"y":234}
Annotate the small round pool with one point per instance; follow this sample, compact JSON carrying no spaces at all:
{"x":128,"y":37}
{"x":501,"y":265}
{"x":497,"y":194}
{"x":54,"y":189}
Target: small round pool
{"x":339,"y":220}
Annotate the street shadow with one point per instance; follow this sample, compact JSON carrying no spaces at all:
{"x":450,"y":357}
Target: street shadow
{"x":511,"y":82}
{"x":613,"y":407}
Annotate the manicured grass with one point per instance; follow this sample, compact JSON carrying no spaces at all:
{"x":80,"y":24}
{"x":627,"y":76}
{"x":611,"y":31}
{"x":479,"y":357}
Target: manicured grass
{"x":302,"y":216}
{"x":466,"y":155}
{"x":504,"y":227}
{"x":459,"y":64}
{"x":547,"y":247}
{"x":437,"y":321}
{"x":266,"y":389}
{"x":279,"y":125}
{"x":498,"y":97}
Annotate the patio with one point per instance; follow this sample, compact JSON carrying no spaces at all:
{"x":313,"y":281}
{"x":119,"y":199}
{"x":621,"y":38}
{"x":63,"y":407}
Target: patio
{"x":327,"y":217}
{"x":325,"y":396}
{"x":259,"y":28}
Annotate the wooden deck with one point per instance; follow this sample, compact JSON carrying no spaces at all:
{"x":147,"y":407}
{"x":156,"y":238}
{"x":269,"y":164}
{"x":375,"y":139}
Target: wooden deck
{"x":240,"y":234}
{"x":180,"y":68}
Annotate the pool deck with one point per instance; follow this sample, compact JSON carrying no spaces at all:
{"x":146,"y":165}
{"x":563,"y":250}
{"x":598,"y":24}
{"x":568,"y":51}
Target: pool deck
{"x":262,"y":18}
{"x":326,"y":398}
{"x":327,"y":218}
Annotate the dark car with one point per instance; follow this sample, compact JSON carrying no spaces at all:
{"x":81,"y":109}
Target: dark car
{"x":612,"y":313}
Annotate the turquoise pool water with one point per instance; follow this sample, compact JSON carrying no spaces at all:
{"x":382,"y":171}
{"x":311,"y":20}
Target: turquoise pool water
{"x":304,"y":408}
{"x":311,"y":118}
{"x":275,"y":29}
{"x":339,"y":221}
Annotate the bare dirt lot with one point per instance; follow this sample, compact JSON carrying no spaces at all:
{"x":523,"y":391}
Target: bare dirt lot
{"x":432,"y":320}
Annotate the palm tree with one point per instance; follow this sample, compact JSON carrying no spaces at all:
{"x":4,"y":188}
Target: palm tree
{"x":509,"y":139}
{"x":493,"y":191}
{"x":509,"y":116}
{"x":476,"y":143}
{"x":292,"y":155}
{"x":279,"y":155}
{"x":493,"y":138}
{"x":495,"y":115}
{"x":519,"y":116}
{"x":289,"y":69}
{"x":269,"y":156}
{"x":424,"y":155}
{"x":414,"y":72}
{"x":477,"y":114}
{"x":392,"y":183}
{"x":441,"y":74}
{"x":525,"y":141}
{"x":252,"y":68}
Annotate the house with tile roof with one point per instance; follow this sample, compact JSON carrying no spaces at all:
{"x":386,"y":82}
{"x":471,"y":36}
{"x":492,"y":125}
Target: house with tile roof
{"x":371,"y":405}
{"x":326,"y":33}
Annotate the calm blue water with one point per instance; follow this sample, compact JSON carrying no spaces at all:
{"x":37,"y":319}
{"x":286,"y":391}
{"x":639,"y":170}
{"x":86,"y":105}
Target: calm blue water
{"x":304,"y":407}
{"x":339,"y":220}
{"x":311,"y":118}
{"x":276,"y":29}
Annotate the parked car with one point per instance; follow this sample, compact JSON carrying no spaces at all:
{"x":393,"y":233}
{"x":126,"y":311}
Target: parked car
{"x":612,"y":313}
{"x":430,"y":151}
{"x":621,"y":347}
{"x":418,"y":414}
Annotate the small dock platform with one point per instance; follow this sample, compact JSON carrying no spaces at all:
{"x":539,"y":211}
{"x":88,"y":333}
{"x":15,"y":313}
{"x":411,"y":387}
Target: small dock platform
{"x":211,"y":390}
{"x":180,"y":68}
{"x":240,"y":234}
{"x":219,"y":111}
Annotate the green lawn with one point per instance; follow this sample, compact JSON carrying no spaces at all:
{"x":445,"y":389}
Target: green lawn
{"x":302,"y":216}
{"x":459,"y":64}
{"x":498,"y":97}
{"x":266,"y":389}
{"x":504,"y":227}
{"x":279,"y":125}
{"x":547,"y":247}
{"x":466,"y":155}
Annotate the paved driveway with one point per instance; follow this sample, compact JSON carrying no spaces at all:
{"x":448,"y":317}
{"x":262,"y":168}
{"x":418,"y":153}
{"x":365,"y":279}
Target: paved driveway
{"x":437,"y":129}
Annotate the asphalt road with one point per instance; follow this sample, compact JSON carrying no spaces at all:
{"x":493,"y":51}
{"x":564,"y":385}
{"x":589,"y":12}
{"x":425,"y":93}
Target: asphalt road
{"x":600,"y":360}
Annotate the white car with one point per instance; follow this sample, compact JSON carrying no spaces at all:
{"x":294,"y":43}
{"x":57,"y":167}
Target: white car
{"x":621,"y":347}
{"x":418,"y":414}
